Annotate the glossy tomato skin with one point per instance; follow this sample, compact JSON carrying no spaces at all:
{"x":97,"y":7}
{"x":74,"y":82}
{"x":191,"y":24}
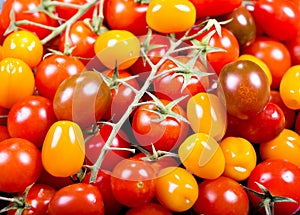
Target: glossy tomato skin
{"x":103,"y":183}
{"x":83,"y":199}
{"x":272,"y":52}
{"x":273,"y":14}
{"x":95,"y":143}
{"x":214,"y":8}
{"x":264,"y":126}
{"x":24,"y":158}
{"x":132,"y":182}
{"x":4,"y":134}
{"x":21,"y":9}
{"x":281,"y":178}
{"x":31,"y":119}
{"x":148,"y":209}
{"x":72,"y":100}
{"x":294,"y":49}
{"x":165,"y":135}
{"x":221,"y":196}
{"x":126,"y":15}
{"x":53,"y":70}
{"x":228,"y":42}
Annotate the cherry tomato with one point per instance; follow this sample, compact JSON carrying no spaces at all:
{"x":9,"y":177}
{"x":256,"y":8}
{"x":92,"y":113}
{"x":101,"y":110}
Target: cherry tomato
{"x":53,"y":70}
{"x":214,"y":7}
{"x":80,"y":198}
{"x":240,"y":157}
{"x":226,"y":41}
{"x":126,"y":15}
{"x":289,"y":88}
{"x":294,"y":49}
{"x":82,"y":98}
{"x":151,"y":125}
{"x":272,"y":15}
{"x":176,"y":189}
{"x":38,"y":198}
{"x":285,"y":146}
{"x":148,"y":209}
{"x":264,"y":126}
{"x":20,"y":164}
{"x":103,"y":183}
{"x":222,"y":195}
{"x":4,"y":134}
{"x":23,"y":45}
{"x":31,"y":118}
{"x":21,"y":10}
{"x":170,"y":16}
{"x":202,"y":155}
{"x":119,"y":47}
{"x":245,"y":87}
{"x":16,"y":81}
{"x":95,"y":143}
{"x":185,"y":80}
{"x":281,"y":178}
{"x":273,"y":53}
{"x":207,"y":114}
{"x":132,"y":182}
{"x":64,"y":141}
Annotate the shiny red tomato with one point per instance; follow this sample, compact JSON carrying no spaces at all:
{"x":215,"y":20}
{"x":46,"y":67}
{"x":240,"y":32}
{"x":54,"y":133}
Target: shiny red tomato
{"x":132,"y":182}
{"x":149,"y":209}
{"x":281,"y":178}
{"x":31,"y":119}
{"x":127,"y":15}
{"x":294,"y":49}
{"x":221,"y":196}
{"x":20,"y":164}
{"x":4,"y":132}
{"x":53,"y":70}
{"x":80,"y":198}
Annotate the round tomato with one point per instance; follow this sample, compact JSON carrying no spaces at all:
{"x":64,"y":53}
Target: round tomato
{"x":148,"y":209}
{"x":281,"y":178}
{"x":31,"y":118}
{"x":132,"y":182}
{"x":201,"y":154}
{"x":294,"y":49}
{"x":117,"y":48}
{"x":80,"y":198}
{"x":23,"y":45}
{"x":222,"y":195}
{"x":176,"y":189}
{"x":170,"y":16}
{"x":126,"y":15}
{"x":16,"y":81}
{"x":53,"y":70}
{"x":4,"y":134}
{"x":20,"y":164}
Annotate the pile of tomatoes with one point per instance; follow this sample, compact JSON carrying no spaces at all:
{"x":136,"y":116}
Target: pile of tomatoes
{"x":150,"y":107}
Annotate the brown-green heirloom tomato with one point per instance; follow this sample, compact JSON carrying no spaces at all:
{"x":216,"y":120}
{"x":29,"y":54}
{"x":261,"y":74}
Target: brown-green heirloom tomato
{"x":245,"y":87}
{"x":82,"y":98}
{"x":63,"y":150}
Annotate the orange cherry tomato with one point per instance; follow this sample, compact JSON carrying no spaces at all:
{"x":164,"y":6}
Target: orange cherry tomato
{"x":176,"y":189}
{"x":202,"y":155}
{"x":23,"y":45}
{"x":290,"y":89}
{"x":240,"y":157}
{"x":63,"y":151}
{"x":16,"y":81}
{"x":285,"y":146}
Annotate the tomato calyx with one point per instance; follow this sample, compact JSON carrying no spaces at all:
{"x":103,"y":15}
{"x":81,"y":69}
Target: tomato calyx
{"x":267,"y":199}
{"x":155,"y":155}
{"x":18,"y":203}
{"x":142,"y":1}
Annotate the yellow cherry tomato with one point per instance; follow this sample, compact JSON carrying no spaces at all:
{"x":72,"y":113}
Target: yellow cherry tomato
{"x":285,"y":146}
{"x":240,"y":157}
{"x":202,"y":155}
{"x":207,"y":114}
{"x":167,"y":16}
{"x":176,"y":189}
{"x":259,"y":62}
{"x":290,"y":87}
{"x":16,"y":81}
{"x":23,"y":45}
{"x":63,"y":151}
{"x":117,"y":46}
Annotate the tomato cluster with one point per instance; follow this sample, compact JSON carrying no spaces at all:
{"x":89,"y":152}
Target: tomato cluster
{"x":150,"y":107}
